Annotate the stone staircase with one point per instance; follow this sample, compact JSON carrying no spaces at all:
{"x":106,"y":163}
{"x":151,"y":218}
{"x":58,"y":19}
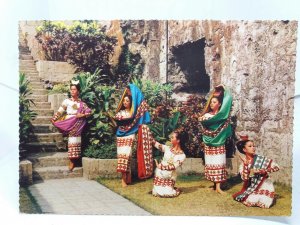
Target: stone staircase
{"x":45,"y":148}
{"x":52,"y":165}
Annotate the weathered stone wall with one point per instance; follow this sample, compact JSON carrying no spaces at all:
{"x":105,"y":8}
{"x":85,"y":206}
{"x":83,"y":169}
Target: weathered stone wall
{"x":56,"y":100}
{"x":93,"y":168}
{"x":28,"y":31}
{"x":256,"y":60}
{"x":55,"y":71}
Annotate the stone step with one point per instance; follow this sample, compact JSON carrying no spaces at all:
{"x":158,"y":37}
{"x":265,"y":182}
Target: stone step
{"x":47,"y":159}
{"x":36,"y":85}
{"x":25,"y":56}
{"x":45,"y":147}
{"x":44,"y":112}
{"x":46,"y":137}
{"x":57,"y":172}
{"x":39,"y":91}
{"x":38,"y":98}
{"x":44,"y":128}
{"x":41,"y":105}
{"x":33,"y":78}
{"x":27,"y":70}
{"x":42,"y":120}
{"x":25,"y":63}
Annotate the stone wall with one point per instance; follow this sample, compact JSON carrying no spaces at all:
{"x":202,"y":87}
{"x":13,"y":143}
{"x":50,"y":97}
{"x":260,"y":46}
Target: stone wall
{"x":55,"y":71}
{"x":56,"y":100}
{"x":93,"y":168}
{"x":28,"y":31}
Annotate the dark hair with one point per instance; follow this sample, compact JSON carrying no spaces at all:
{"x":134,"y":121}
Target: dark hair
{"x":241,"y":145}
{"x":130,"y":98}
{"x":75,"y":85}
{"x":183,"y":138}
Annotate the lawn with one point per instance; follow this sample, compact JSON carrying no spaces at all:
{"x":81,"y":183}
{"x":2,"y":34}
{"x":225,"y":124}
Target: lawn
{"x":197,"y":199}
{"x":27,"y":203}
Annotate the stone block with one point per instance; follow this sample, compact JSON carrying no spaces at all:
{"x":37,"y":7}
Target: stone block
{"x":25,"y":172}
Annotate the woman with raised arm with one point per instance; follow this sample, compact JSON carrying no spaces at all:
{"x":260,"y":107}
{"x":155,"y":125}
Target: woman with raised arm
{"x":215,"y":120}
{"x":132,"y":114}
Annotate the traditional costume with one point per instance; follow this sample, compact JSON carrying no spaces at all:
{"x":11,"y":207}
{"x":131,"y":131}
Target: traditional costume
{"x":129,"y":123}
{"x":216,"y":129}
{"x":165,"y":174}
{"x":258,"y":189}
{"x":67,"y":123}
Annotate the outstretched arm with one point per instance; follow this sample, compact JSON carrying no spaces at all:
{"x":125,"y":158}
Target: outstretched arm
{"x":61,"y":110}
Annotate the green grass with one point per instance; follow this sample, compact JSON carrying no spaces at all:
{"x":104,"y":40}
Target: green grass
{"x":27,"y":202}
{"x":198,"y":199}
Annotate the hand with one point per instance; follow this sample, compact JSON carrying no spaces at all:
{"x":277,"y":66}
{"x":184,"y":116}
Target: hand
{"x":52,"y":121}
{"x":79,"y":115}
{"x":260,"y":171}
{"x":243,"y":159}
{"x":156,"y":163}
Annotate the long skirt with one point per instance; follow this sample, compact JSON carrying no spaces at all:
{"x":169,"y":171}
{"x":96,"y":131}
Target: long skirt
{"x":215,"y":163}
{"x":74,"y":147}
{"x":124,"y":152}
{"x":263,"y":197}
{"x":164,"y":184}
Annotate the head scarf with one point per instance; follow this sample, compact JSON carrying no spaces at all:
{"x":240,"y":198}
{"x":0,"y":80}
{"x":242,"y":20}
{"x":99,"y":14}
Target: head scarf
{"x":218,"y":128}
{"x":139,"y":112}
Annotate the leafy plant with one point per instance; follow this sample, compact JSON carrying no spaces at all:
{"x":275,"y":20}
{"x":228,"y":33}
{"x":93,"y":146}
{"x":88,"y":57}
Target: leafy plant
{"x":60,"y":88}
{"x":130,"y":65}
{"x":102,"y":100}
{"x":105,"y":151}
{"x":155,"y":93}
{"x":163,"y":127}
{"x":53,"y":38}
{"x":191,"y":109}
{"x":25,"y":113}
{"x":83,"y":44}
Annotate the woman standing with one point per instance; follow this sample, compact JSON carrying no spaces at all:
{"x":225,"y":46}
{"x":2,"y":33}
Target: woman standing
{"x":132,"y":113}
{"x":258,"y":189}
{"x":70,"y":119}
{"x":216,"y":129}
{"x":165,"y":173}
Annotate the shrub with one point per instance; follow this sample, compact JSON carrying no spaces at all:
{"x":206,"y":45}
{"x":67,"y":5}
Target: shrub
{"x":105,"y":151}
{"x":25,"y":114}
{"x":83,"y":44}
{"x":59,"y":89}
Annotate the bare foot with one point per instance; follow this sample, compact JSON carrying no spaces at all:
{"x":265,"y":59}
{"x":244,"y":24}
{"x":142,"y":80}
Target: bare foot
{"x":71,"y":166}
{"x":124,"y":184}
{"x":220,"y":191}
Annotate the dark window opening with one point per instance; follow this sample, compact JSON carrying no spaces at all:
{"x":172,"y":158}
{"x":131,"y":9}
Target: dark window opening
{"x":191,"y":60}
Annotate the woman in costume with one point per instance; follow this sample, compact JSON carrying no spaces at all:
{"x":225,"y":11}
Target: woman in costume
{"x":258,"y":189}
{"x":70,"y":119}
{"x":132,"y":113}
{"x":165,"y":173}
{"x":215,"y":120}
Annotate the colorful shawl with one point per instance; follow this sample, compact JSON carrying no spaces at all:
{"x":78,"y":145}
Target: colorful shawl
{"x":140,"y":116}
{"x":139,"y":112}
{"x":253,"y":183}
{"x":218,"y":128}
{"x":73,"y":125}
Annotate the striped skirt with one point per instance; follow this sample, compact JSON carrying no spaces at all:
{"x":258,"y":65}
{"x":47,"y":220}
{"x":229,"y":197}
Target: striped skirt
{"x":215,"y":163}
{"x":124,"y":152}
{"x":74,"y":147}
